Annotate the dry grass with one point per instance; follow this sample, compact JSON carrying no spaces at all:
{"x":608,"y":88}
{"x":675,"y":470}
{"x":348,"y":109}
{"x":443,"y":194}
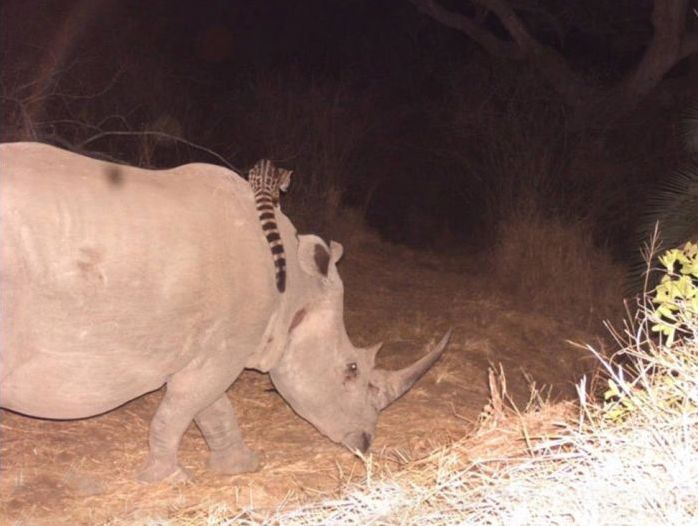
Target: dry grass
{"x":552,"y":264}
{"x":575,"y":464}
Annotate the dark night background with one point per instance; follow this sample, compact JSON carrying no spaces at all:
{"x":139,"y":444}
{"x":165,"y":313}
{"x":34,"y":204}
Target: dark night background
{"x":431,"y":137}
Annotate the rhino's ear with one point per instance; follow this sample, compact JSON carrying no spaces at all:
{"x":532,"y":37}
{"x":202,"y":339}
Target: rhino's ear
{"x":317,"y":259}
{"x":313,"y":255}
{"x":371,"y":353}
{"x":336,"y":251}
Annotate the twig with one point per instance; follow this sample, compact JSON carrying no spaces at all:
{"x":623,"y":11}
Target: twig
{"x":158,"y":134}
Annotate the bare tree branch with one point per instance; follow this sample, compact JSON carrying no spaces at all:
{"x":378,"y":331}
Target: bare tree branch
{"x":102,"y":134}
{"x":546,"y":59}
{"x":493,"y":45}
{"x":112,"y":82}
{"x":69,"y":31}
{"x":524,"y":46}
{"x":689,"y":45}
{"x":669,"y":44}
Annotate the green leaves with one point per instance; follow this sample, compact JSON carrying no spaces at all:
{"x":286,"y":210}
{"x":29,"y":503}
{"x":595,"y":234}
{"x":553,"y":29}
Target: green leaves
{"x":664,"y":372}
{"x":617,"y":404}
{"x":676,"y":296}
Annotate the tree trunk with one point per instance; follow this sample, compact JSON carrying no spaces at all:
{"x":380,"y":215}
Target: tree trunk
{"x":588,"y":99}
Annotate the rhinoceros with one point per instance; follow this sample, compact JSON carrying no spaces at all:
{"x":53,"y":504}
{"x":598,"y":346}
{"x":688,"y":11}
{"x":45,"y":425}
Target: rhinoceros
{"x":115,"y":281}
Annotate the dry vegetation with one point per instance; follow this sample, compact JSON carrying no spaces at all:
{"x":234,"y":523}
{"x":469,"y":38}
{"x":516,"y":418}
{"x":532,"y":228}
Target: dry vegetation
{"x":623,"y":456}
{"x":553,"y":265}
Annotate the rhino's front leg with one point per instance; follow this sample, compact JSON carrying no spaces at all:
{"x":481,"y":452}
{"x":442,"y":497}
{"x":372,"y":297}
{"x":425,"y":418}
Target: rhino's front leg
{"x":229,"y":454}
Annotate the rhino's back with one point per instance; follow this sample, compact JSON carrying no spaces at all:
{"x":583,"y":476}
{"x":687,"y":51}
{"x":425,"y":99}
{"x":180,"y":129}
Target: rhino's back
{"x":112,"y":277}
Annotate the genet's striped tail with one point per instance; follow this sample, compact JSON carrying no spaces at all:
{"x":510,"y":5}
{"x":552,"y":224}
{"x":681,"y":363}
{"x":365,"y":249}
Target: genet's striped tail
{"x":265,"y":208}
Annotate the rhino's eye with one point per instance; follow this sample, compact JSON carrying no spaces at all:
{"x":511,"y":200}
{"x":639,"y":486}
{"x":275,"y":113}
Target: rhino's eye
{"x":352,"y":370}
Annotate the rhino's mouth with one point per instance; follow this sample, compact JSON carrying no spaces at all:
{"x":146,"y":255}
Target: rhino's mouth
{"x":357,"y":441}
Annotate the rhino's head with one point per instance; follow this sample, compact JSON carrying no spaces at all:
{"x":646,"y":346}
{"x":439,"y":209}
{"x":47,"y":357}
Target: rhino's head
{"x":327,"y":380}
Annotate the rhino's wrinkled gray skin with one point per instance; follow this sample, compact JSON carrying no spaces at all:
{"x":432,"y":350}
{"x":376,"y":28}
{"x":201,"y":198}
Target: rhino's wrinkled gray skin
{"x":116,"y":280}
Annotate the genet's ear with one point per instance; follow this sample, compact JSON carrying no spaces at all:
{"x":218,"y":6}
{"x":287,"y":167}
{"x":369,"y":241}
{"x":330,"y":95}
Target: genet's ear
{"x":285,"y":181}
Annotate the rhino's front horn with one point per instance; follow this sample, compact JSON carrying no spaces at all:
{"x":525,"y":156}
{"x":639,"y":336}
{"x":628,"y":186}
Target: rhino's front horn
{"x":391,"y":385}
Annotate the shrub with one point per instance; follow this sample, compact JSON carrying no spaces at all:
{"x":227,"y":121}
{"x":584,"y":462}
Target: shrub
{"x":552,"y":264}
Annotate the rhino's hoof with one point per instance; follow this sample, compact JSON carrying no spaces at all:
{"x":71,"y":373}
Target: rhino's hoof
{"x":234,"y":462}
{"x":160,"y":471}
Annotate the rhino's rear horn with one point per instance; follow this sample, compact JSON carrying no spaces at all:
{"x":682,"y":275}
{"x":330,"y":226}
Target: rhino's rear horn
{"x":391,"y":385}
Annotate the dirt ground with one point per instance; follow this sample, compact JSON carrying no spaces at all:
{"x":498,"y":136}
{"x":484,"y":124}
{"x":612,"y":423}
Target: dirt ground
{"x":83,"y":472}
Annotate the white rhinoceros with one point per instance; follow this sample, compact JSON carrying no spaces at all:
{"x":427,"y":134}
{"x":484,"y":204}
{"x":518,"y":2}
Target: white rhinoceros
{"x":116,"y":280}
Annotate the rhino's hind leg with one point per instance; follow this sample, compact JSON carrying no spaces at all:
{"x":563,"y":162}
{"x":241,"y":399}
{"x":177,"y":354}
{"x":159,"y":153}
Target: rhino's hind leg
{"x":229,"y":454}
{"x":197,"y":391}
{"x":166,"y":429}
